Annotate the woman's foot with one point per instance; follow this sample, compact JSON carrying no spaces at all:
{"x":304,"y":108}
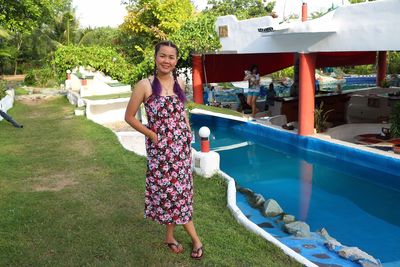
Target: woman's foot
{"x":175,"y":246}
{"x":197,"y":252}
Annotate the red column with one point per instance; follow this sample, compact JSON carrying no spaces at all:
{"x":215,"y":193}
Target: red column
{"x":306,"y":93}
{"x":197,"y":78}
{"x":381,"y":68}
{"x":304,"y":12}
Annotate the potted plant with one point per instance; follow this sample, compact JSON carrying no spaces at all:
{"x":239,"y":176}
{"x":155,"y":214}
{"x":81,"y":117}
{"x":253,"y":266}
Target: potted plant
{"x":320,"y":118}
{"x":395,"y":125}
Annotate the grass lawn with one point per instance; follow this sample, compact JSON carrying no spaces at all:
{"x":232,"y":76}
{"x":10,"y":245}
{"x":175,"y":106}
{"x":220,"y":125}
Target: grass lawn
{"x":70,"y":195}
{"x":227,"y":111}
{"x":21,"y":91}
{"x":112,"y":96}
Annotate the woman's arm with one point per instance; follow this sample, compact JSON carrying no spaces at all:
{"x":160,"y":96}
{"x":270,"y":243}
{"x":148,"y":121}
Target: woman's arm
{"x":183,"y":86}
{"x":247,"y":75}
{"x":138,"y":97}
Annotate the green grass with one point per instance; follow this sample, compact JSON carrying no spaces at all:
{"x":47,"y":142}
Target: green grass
{"x":227,"y":111}
{"x":21,"y":91}
{"x":70,"y":195}
{"x":112,"y":96}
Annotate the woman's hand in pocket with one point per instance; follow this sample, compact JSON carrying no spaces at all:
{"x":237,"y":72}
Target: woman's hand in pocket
{"x":154,"y":138}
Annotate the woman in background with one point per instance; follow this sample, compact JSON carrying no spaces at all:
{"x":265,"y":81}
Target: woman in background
{"x":253,"y":77}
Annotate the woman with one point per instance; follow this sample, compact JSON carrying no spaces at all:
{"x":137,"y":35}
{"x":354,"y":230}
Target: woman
{"x":254,"y":87}
{"x":169,"y":190}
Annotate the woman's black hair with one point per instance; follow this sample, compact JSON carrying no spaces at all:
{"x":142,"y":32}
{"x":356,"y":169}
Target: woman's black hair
{"x":156,"y":85}
{"x":254,"y":67}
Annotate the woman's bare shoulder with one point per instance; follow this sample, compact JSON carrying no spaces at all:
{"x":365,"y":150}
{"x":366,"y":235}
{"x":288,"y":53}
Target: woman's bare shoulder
{"x":143,"y":87}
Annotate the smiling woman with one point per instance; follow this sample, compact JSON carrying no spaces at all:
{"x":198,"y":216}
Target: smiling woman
{"x":169,"y":183}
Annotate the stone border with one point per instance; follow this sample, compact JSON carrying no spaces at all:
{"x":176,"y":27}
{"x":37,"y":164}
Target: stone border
{"x":249,"y":225}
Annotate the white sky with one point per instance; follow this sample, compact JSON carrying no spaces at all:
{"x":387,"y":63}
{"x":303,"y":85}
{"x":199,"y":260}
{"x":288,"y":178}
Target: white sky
{"x":97,"y":13}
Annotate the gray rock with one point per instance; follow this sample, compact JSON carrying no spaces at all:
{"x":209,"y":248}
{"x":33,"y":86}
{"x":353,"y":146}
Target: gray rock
{"x":257,"y":200}
{"x":245,"y":191}
{"x":368,"y":264}
{"x":271,"y":208}
{"x":333,"y":244}
{"x":287,"y":218}
{"x":299,"y":229}
{"x":356,"y":254}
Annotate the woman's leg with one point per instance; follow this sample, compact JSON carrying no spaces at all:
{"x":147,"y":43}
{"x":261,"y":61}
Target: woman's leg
{"x":170,"y":239}
{"x":254,"y":105}
{"x":249,"y":97}
{"x":189,"y":227}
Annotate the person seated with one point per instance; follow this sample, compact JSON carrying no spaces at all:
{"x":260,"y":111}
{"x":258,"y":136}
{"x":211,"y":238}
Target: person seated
{"x":243,"y":106}
{"x":270,"y":100}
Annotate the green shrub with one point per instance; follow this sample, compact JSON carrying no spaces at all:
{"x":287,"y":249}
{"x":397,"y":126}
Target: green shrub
{"x":44,"y":77}
{"x":395,"y":121}
{"x":288,"y":72}
{"x":3,"y":87}
{"x":104,"y":59}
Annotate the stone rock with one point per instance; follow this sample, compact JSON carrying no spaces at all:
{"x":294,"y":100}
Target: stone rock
{"x":333,"y":244}
{"x":298,"y":229}
{"x":271,"y":208}
{"x":265,"y":225}
{"x":287,"y":218}
{"x":257,"y":200}
{"x":368,"y":264}
{"x":245,"y":191}
{"x":356,"y":254}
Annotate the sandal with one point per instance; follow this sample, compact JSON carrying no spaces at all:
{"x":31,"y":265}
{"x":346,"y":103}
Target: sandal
{"x":175,"y":247}
{"x":197,"y":251}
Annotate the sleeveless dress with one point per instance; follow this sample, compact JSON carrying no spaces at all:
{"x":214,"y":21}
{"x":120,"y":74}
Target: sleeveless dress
{"x":169,"y":186}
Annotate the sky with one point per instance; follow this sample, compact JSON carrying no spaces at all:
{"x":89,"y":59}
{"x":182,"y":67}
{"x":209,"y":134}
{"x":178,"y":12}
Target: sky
{"x":98,"y":13}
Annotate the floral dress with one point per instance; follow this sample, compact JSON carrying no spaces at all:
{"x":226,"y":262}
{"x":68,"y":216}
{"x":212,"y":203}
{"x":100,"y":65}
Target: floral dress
{"x":169,"y":186}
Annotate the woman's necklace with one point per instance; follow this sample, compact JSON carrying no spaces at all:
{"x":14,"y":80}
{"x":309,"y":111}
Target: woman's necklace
{"x":167,"y":87}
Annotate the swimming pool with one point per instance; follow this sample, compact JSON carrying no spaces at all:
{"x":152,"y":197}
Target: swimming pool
{"x":353,"y":194}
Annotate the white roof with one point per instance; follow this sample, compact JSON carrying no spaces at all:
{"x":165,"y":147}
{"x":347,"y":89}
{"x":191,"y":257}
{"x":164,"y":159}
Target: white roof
{"x":368,"y":26}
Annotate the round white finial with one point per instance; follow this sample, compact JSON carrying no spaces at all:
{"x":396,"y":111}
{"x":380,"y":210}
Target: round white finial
{"x":68,"y":71}
{"x":204,"y":132}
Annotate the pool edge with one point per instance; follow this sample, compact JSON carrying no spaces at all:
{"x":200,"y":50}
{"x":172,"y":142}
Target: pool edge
{"x":249,"y":225}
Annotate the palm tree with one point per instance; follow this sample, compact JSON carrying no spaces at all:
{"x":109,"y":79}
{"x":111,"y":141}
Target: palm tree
{"x":3,"y":35}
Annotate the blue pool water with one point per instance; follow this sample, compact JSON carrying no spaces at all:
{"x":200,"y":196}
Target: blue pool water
{"x":325,"y":186}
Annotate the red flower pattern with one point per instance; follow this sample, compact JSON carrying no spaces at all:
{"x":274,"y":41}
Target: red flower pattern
{"x":169,"y":185}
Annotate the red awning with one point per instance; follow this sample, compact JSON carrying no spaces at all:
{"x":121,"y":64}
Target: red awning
{"x":230,"y":67}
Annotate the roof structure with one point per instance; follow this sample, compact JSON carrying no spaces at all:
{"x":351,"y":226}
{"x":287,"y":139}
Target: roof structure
{"x":368,"y":26}
{"x":350,"y":35}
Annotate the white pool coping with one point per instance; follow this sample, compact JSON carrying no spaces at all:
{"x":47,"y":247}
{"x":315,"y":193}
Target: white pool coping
{"x":251,"y":226}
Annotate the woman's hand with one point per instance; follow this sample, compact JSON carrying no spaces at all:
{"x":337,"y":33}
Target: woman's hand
{"x":154,"y":138}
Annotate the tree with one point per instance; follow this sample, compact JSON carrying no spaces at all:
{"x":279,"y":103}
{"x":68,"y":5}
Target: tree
{"x":242,"y":9}
{"x":147,"y":23}
{"x":103,"y":36}
{"x":23,"y":18}
{"x":196,"y":35}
